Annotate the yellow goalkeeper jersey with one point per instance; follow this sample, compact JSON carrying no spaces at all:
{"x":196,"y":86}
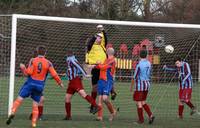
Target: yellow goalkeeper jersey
{"x":97,"y":53}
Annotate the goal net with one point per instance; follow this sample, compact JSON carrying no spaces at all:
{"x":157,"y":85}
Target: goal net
{"x":127,"y":38}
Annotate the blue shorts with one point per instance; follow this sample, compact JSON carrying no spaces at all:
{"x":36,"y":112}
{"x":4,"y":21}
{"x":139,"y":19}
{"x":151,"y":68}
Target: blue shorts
{"x":103,"y":87}
{"x":32,"y":88}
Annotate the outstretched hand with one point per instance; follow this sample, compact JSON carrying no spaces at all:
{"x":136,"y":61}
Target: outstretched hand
{"x":61,"y":85}
{"x":22,"y":66}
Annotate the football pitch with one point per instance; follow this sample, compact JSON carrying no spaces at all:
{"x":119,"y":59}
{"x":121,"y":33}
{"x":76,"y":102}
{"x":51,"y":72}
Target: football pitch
{"x":162,"y":99}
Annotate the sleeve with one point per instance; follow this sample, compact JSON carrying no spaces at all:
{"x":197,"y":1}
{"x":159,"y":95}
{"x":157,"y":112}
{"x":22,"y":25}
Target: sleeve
{"x":170,"y":69}
{"x":77,"y":64}
{"x":54,"y":74}
{"x":103,"y":66}
{"x":29,"y":70}
{"x":136,"y":73}
{"x":186,"y":65}
{"x":90,"y":43}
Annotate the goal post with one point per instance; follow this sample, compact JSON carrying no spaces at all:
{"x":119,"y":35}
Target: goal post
{"x":119,"y":32}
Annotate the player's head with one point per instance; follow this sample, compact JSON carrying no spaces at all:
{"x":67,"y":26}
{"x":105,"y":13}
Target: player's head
{"x":99,"y":37}
{"x":100,"y":28}
{"x":178,"y":61}
{"x":110,"y":51}
{"x":143,"y":54}
{"x":41,"y":50}
{"x":69,"y":52}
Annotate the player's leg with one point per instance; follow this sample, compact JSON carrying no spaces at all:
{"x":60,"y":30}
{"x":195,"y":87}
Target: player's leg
{"x":23,"y":93}
{"x":147,"y":107}
{"x":90,"y":100}
{"x":181,"y":103}
{"x":100,"y":112}
{"x":140,"y":112}
{"x":137,"y":97}
{"x":109,"y":106}
{"x":34,"y":113}
{"x":16,"y":105}
{"x":68,"y":97}
{"x":36,"y":93}
{"x":187,"y":100}
{"x":95,"y":77}
{"x":148,"y":111}
{"x":40,"y":108}
{"x":180,"y":109}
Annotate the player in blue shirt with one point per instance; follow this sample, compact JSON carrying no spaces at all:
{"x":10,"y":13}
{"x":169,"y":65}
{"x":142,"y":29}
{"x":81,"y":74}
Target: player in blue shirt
{"x":142,"y":77}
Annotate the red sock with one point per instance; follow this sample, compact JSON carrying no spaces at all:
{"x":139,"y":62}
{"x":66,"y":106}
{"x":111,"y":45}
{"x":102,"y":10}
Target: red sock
{"x":94,"y":95}
{"x":91,"y":100}
{"x":40,"y":108}
{"x":68,"y":109}
{"x":147,"y":109}
{"x":180,"y":110}
{"x":190,"y":104}
{"x":140,"y":114}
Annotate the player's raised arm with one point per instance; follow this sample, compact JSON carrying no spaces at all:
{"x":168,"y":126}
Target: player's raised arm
{"x":166,"y":68}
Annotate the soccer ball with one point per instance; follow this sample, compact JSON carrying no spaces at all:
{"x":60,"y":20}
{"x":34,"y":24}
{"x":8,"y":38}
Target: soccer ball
{"x":169,"y":49}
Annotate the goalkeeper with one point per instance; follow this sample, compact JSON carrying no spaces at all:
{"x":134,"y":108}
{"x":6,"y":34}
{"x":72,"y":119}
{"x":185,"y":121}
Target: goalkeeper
{"x":96,"y":51}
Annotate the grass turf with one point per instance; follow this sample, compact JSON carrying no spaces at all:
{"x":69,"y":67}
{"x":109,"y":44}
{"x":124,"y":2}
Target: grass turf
{"x":162,"y":98}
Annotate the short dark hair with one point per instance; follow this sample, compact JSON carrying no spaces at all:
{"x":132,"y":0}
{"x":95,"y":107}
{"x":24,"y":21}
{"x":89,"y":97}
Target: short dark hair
{"x":69,"y":52}
{"x":41,"y":50}
{"x":143,"y":53}
{"x":177,"y":59}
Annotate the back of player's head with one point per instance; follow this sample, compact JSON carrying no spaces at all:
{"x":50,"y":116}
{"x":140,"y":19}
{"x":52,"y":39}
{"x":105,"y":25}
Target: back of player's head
{"x":143,"y":53}
{"x":41,"y":50}
{"x":110,"y":51}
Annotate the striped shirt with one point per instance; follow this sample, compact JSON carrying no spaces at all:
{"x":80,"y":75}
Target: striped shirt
{"x":184,"y":75}
{"x":142,"y":75}
{"x":74,"y":68}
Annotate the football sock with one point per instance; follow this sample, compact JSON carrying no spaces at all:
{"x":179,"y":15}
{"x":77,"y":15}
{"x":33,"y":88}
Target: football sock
{"x":140,"y":114}
{"x":94,"y":95}
{"x":35,"y":114}
{"x":91,"y":100}
{"x":68,"y":109}
{"x":16,"y":105}
{"x":40,"y":108}
{"x":147,"y":109}
{"x":180,"y":110}
{"x":100,"y":112}
{"x":190,"y":104}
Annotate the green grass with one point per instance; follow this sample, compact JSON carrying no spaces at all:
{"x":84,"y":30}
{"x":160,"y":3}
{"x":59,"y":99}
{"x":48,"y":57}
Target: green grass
{"x":162,"y":98}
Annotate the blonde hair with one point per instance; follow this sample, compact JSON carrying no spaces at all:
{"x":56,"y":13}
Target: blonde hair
{"x":110,"y":51}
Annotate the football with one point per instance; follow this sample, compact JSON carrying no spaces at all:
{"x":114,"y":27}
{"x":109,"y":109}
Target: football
{"x":169,"y":49}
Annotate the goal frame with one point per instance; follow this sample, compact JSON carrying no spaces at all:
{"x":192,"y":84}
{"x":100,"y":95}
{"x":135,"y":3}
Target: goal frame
{"x":15,"y":18}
